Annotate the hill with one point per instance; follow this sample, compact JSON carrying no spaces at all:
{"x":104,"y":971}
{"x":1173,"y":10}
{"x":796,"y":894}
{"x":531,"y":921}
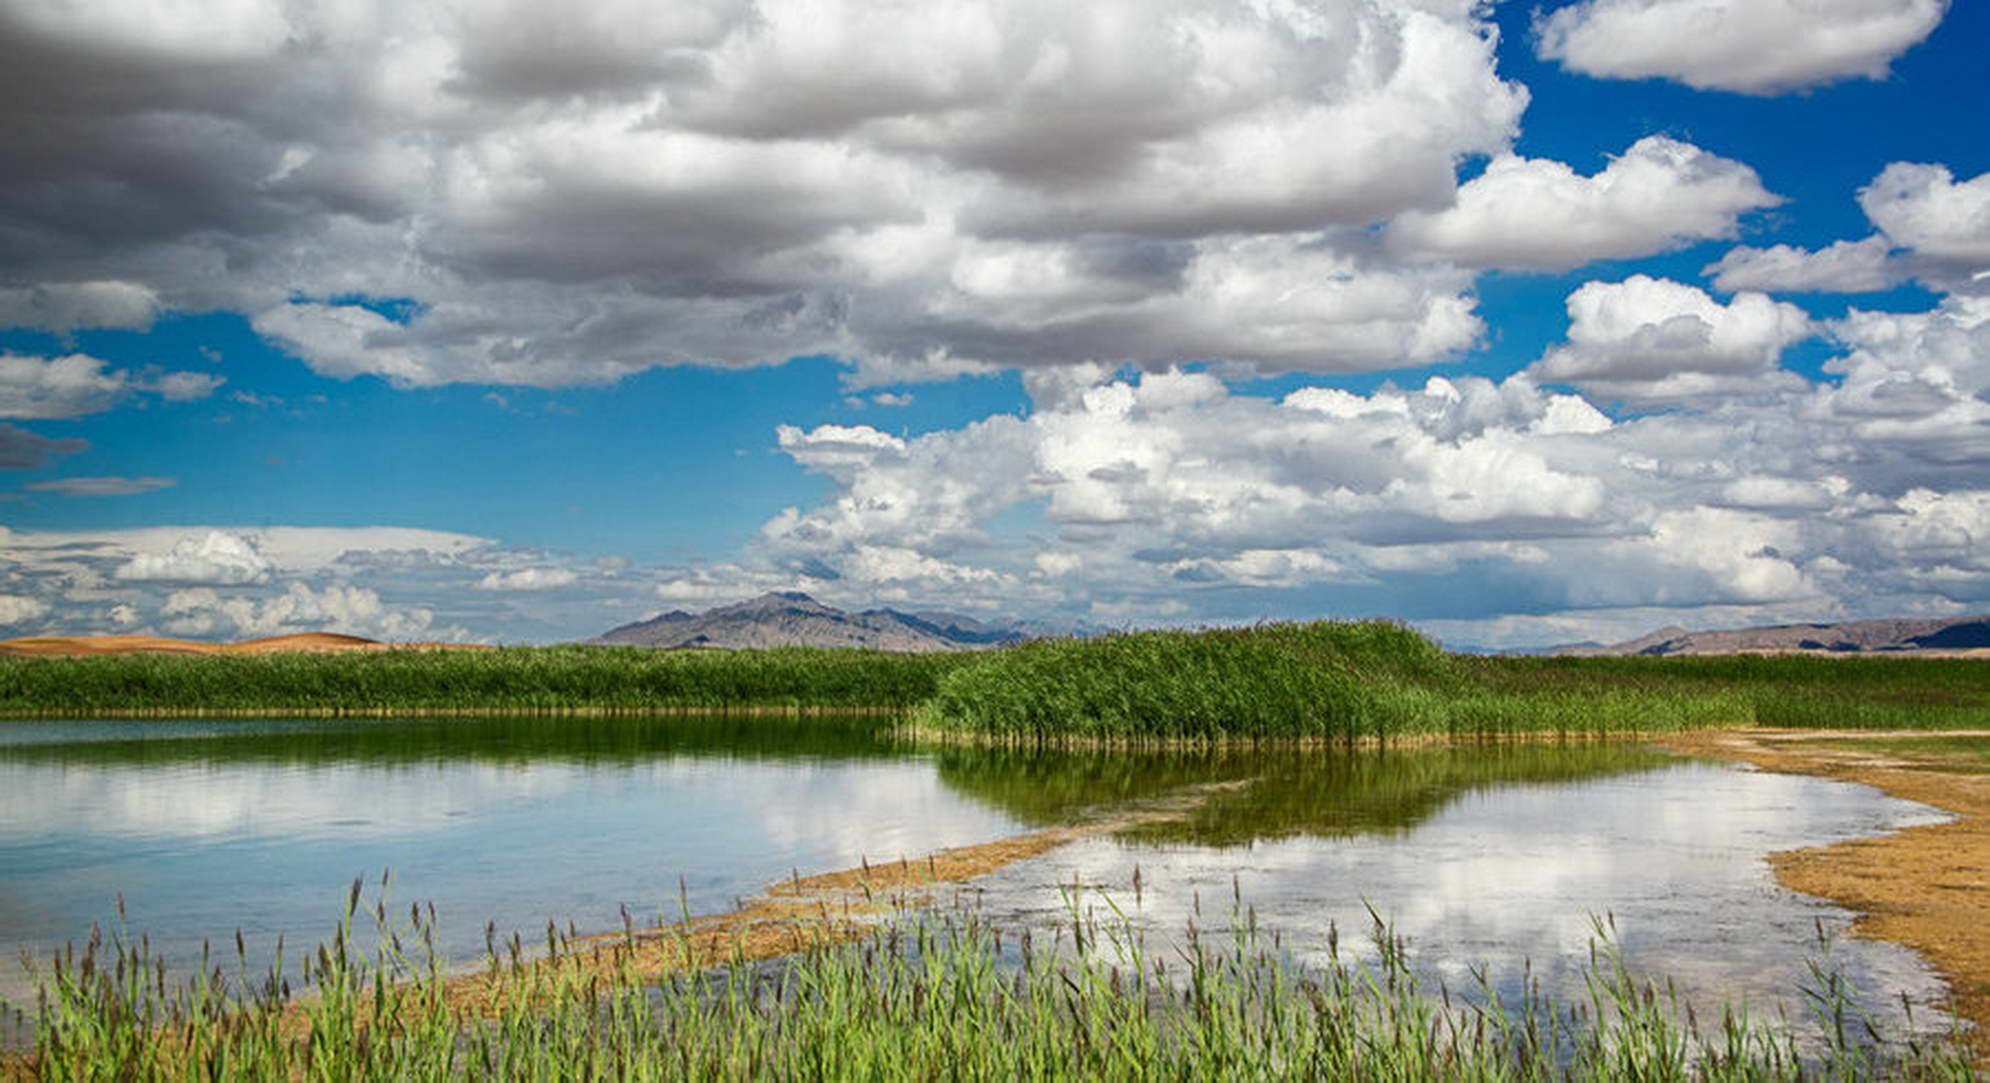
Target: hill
{"x":793,"y":619}
{"x":1952,"y":635}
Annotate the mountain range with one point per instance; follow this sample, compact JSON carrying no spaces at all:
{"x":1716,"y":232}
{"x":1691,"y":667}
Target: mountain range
{"x":793,"y":619}
{"x":1952,"y":634}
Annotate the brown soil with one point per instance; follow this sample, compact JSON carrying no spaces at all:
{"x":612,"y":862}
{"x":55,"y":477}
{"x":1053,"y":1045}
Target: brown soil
{"x":1925,"y":887}
{"x":314,"y":642}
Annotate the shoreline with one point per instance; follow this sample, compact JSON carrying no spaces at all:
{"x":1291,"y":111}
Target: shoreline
{"x":1925,"y":887}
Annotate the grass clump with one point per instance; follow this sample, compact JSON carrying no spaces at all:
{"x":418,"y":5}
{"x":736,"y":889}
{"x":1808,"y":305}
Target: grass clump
{"x":924,"y":999}
{"x":1327,"y":680}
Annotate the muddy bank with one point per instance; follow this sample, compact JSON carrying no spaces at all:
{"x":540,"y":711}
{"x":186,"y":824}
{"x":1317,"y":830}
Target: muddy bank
{"x":1926,"y":887}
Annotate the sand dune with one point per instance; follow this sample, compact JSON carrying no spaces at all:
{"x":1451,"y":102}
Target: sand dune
{"x":319,"y":642}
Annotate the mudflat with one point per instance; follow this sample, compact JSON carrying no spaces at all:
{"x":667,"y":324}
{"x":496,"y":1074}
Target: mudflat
{"x":1926,"y":887}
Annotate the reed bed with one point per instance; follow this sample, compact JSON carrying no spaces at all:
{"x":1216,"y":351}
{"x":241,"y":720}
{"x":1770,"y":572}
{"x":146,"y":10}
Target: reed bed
{"x":1321,"y":681}
{"x":1327,"y":680}
{"x":515,"y":680}
{"x":946,"y":998}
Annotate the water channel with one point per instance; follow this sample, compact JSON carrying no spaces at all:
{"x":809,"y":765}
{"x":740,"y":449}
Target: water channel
{"x":1487,"y":858}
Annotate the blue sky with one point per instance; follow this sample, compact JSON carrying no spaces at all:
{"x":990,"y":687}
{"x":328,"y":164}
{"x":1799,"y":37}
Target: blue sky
{"x":1524,"y":323}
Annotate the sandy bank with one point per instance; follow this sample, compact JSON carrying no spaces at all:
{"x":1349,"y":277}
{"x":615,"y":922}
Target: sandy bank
{"x":312,"y":642}
{"x":1925,"y":887}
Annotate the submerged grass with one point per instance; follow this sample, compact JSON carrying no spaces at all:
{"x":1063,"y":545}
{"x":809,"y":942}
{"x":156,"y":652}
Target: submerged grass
{"x":924,"y":999}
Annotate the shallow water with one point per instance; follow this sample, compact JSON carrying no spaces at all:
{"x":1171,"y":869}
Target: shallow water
{"x":210,"y":827}
{"x":1510,"y":881}
{"x":1479,"y":854}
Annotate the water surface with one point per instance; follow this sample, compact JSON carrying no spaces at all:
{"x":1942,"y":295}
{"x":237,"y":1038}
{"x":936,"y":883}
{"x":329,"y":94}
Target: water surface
{"x":1481,"y":855}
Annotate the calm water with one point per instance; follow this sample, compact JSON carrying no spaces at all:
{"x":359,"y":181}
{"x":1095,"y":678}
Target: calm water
{"x":211,"y":827}
{"x":1480,"y":855}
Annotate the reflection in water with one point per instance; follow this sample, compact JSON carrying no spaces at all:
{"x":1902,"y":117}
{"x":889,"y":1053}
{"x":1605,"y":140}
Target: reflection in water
{"x":210,"y":827}
{"x":1480,"y":853}
{"x":1510,"y":876}
{"x":1324,"y":793}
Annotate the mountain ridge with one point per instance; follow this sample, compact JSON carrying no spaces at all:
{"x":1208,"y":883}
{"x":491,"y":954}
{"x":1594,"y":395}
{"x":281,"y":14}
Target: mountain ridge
{"x":1892,"y":635}
{"x":795,"y":619}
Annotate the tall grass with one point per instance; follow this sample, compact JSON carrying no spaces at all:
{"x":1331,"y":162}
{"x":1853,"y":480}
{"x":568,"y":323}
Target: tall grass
{"x":946,"y":999}
{"x":1806,"y":691}
{"x":511,"y":680}
{"x":1324,"y":680}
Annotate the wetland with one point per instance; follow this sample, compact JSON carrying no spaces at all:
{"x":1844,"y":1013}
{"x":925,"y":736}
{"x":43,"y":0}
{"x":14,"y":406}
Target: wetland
{"x":1539,"y":868}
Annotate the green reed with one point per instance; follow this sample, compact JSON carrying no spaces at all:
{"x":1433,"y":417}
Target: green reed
{"x":926,"y":998}
{"x":509,"y":680}
{"x":1325,"y":680}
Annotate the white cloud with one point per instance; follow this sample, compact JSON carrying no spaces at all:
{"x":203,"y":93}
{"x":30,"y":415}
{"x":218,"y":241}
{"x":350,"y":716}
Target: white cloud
{"x":181,"y":386}
{"x":1010,"y":183}
{"x":338,"y":608}
{"x":214,"y":557}
{"x":57,"y":387}
{"x":110,"y":486}
{"x":529,"y":579}
{"x":1932,"y":228}
{"x":123,"y":615}
{"x":78,"y":384}
{"x":1944,"y":223}
{"x":1749,"y":46}
{"x":15,"y":609}
{"x":1537,"y":214}
{"x":1647,"y":340}
{"x":1843,"y":267}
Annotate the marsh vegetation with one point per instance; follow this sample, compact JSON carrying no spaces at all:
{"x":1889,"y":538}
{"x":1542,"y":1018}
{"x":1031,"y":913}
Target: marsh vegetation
{"x":925,"y":998}
{"x":1324,"y":680}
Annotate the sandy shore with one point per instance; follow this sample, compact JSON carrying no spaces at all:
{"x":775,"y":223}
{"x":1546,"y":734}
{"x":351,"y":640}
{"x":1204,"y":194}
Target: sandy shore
{"x":1925,"y":887}
{"x":311,"y":642}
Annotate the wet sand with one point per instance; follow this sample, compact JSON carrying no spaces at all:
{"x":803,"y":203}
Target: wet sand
{"x":1925,"y":887}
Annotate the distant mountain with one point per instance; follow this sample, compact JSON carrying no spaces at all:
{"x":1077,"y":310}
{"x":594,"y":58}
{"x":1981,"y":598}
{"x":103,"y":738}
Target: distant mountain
{"x":1849,"y":637}
{"x":793,"y":619}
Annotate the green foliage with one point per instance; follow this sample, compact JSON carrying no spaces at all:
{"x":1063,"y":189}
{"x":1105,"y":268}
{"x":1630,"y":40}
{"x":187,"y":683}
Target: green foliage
{"x":924,"y":1000}
{"x":1799,"y":691}
{"x":1324,"y":680}
{"x":508,"y":680}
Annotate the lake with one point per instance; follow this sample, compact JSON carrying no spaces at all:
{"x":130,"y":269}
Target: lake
{"x":1484,"y":856}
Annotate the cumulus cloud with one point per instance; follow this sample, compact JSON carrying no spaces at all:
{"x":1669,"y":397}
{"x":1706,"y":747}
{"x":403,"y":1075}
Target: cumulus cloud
{"x":529,"y":579}
{"x":109,"y":486}
{"x":1539,"y":214}
{"x":348,"y":610}
{"x":718,"y":182}
{"x":214,"y":557}
{"x":1501,"y":511}
{"x":24,"y":450}
{"x":1842,"y":267}
{"x":1647,"y":340}
{"x":1931,"y":227}
{"x":16,"y":609}
{"x":78,"y":384}
{"x":1748,"y":46}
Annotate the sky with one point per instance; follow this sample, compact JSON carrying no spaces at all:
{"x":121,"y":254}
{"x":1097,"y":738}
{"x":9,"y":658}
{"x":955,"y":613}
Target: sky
{"x":512,"y":322}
